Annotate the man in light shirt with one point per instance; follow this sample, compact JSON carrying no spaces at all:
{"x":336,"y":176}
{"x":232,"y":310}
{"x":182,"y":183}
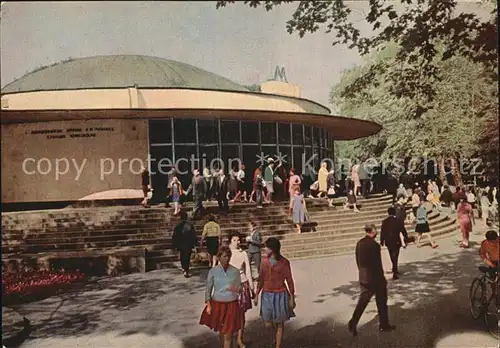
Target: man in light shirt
{"x":269,"y":179}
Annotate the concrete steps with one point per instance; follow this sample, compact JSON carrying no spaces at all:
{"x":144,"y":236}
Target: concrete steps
{"x":161,"y":224}
{"x":349,"y":246}
{"x":155,"y":233}
{"x":87,"y":233}
{"x":314,"y":237}
{"x":147,"y":216}
{"x":330,"y":243}
{"x":70,"y":233}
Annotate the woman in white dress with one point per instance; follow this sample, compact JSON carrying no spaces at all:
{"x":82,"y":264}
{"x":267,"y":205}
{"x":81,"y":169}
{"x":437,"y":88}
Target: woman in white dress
{"x":355,"y":178}
{"x":322,"y":177}
{"x":240,"y":260}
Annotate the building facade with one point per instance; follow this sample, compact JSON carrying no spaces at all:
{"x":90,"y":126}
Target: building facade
{"x":82,"y":129}
{"x":194,"y":143}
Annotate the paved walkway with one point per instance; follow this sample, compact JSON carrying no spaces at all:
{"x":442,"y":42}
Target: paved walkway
{"x":429,"y":305}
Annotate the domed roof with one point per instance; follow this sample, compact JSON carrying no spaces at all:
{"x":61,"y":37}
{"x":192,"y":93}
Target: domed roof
{"x":120,"y":71}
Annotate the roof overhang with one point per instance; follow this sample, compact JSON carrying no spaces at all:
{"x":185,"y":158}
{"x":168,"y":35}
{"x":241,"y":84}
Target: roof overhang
{"x":156,"y":98}
{"x":342,"y":128}
{"x":58,"y":105}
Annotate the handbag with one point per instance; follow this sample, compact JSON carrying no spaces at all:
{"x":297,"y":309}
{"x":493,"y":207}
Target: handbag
{"x":278,"y":180}
{"x":307,"y":217}
{"x":331,"y":191}
{"x":195,"y":257}
{"x":289,"y":303}
{"x":314,"y":186}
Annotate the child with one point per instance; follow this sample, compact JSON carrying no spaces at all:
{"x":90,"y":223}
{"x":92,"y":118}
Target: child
{"x":351,"y":201}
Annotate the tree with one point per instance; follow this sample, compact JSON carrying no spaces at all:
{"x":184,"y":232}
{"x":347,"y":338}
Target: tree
{"x":461,"y":122}
{"x":417,"y":27}
{"x":254,"y":88}
{"x":430,"y":75}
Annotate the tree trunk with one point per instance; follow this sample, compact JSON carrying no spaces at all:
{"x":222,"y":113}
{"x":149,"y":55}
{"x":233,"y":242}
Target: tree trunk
{"x":442,"y":170}
{"x":455,"y":171}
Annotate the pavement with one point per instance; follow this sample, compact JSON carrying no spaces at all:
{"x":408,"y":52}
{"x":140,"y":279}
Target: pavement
{"x":429,"y":305}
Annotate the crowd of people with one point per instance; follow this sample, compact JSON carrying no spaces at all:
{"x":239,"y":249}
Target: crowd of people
{"x":275,"y":182}
{"x":237,"y":277}
{"x":268,"y":183}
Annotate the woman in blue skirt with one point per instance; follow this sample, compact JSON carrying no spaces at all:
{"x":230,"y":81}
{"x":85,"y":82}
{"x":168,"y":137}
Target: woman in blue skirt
{"x":278,"y":290}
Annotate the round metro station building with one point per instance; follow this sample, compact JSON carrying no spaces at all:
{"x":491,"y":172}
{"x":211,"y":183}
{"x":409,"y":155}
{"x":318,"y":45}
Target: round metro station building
{"x":80,"y":129}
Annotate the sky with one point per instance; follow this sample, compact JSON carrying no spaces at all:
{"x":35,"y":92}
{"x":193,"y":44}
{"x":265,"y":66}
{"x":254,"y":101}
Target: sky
{"x":237,"y":42}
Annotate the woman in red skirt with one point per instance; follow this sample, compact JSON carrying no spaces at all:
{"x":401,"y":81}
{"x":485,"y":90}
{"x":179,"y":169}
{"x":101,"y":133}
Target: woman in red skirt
{"x":222,"y":311}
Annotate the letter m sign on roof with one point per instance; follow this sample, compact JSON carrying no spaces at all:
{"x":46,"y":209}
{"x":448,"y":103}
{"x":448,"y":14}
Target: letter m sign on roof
{"x":280,"y":75}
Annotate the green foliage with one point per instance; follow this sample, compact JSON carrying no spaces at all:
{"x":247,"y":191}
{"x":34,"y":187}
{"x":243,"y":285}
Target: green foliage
{"x":418,"y":28}
{"x":430,"y":77}
{"x":254,"y":88}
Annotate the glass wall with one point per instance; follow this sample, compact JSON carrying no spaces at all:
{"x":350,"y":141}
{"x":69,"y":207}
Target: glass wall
{"x":191,"y":143}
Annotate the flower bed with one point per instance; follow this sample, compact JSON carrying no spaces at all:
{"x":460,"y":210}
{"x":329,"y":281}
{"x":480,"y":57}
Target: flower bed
{"x":28,"y":286}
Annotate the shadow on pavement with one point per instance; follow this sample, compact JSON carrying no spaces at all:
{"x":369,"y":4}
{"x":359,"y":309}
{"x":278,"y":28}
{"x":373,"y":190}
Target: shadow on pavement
{"x":81,"y":312}
{"x":428,"y":303}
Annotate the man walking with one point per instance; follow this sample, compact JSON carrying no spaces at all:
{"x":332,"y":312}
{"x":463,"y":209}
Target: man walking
{"x":209,"y":183}
{"x":390,"y":236}
{"x":184,"y":240}
{"x":198,"y":188}
{"x":364,"y":178}
{"x":146,"y":186}
{"x":221,"y":190}
{"x":372,"y":281}
{"x":400,"y":207}
{"x":254,"y":249}
{"x":269,"y":179}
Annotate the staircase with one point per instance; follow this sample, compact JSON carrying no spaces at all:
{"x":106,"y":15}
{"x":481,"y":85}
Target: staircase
{"x":120,"y":239}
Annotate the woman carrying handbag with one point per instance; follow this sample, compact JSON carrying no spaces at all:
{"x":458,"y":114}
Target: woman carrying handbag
{"x":330,"y":193}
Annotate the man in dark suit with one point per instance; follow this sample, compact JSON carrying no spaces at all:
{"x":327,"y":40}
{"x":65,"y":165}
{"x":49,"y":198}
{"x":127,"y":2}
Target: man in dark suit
{"x":371,"y":280}
{"x":184,"y":240}
{"x":221,"y":190}
{"x":400,"y":207}
{"x":405,"y":179}
{"x":364,"y":178}
{"x":446,"y":197}
{"x":390,"y":237}
{"x":198,"y":188}
{"x":392,"y":186}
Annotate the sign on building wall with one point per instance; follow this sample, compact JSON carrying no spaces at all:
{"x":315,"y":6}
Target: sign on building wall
{"x":69,"y":160}
{"x":280,"y":75}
